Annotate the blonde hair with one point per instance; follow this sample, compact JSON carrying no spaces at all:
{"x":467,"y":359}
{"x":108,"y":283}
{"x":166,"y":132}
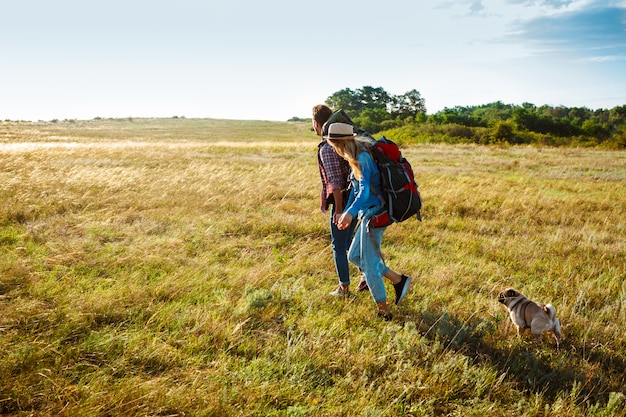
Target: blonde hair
{"x":349,"y":149}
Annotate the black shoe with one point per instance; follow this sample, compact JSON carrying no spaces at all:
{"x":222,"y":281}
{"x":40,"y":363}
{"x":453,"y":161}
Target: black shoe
{"x":362,"y":286}
{"x":402,"y":288}
{"x":385,"y":316}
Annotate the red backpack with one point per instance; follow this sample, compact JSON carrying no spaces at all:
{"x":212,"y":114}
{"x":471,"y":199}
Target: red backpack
{"x":401,"y":197}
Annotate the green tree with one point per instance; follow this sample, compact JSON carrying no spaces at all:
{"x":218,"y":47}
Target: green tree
{"x":591,"y":127}
{"x":408,"y":105}
{"x":344,"y":99}
{"x":371,"y":120}
{"x":503,"y":131}
{"x":354,"y":102}
{"x":524,"y":117}
{"x":617,"y":115}
{"x":374,"y":109}
{"x":373,"y":98}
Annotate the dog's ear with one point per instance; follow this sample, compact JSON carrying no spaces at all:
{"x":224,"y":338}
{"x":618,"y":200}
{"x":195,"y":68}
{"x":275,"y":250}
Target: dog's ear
{"x":511,"y":293}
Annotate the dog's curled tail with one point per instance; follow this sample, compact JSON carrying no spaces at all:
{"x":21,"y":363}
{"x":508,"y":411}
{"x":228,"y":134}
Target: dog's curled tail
{"x":549,"y":308}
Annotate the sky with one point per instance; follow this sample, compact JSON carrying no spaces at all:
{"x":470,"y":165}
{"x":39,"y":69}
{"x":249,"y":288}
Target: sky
{"x":275,"y":59}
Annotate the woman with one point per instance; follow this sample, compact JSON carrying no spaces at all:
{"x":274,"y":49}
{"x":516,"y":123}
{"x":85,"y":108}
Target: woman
{"x":363,"y":203}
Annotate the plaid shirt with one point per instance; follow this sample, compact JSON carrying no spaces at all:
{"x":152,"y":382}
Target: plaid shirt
{"x":334,"y":173}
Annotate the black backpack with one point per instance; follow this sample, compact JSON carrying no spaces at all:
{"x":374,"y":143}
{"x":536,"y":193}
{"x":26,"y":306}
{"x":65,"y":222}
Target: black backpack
{"x":401,"y":197}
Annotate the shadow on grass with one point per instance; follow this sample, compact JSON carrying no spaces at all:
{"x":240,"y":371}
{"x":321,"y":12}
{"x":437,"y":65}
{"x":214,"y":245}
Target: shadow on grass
{"x":535,"y":368}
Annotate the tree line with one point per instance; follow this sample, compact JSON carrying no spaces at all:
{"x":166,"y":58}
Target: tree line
{"x":404,"y":118}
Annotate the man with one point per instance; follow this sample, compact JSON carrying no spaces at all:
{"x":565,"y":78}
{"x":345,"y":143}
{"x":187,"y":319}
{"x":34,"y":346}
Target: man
{"x":334,"y":173}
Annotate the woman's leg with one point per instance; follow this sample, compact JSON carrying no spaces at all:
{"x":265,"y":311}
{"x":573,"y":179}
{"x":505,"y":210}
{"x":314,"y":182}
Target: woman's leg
{"x":365,"y":253}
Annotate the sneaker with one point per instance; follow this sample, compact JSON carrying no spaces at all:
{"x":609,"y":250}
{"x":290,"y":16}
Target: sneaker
{"x":385,"y":316}
{"x":340,"y":292}
{"x":362,"y":286}
{"x":402,"y":288}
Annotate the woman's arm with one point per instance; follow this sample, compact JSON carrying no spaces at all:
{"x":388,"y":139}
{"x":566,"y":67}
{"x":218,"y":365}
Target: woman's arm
{"x":361,"y":193}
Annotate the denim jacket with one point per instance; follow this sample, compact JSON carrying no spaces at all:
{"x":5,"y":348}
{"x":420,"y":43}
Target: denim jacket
{"x":363,"y":201}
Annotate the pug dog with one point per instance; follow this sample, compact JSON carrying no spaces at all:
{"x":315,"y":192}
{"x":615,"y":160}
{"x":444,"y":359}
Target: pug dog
{"x":527,"y":314}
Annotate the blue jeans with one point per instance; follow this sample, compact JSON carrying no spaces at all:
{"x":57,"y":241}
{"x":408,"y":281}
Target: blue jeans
{"x":365,"y":253}
{"x":340,"y":242}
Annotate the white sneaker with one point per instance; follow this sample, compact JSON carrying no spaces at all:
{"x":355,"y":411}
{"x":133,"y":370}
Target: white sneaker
{"x":340,"y":292}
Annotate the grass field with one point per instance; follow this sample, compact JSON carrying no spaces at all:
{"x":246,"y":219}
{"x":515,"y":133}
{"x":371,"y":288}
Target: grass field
{"x":175,"y":267}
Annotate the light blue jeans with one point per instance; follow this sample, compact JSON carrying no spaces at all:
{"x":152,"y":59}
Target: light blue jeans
{"x":365,"y":253}
{"x":340,"y":242}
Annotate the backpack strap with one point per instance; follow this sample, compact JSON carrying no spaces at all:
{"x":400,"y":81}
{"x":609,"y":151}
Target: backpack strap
{"x":369,"y":148}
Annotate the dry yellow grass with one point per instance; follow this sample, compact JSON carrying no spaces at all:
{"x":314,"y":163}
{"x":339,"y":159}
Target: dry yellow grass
{"x":181,"y":267}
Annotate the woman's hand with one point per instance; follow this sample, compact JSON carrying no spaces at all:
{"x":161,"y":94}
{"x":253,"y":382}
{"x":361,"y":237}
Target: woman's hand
{"x":344,"y":221}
